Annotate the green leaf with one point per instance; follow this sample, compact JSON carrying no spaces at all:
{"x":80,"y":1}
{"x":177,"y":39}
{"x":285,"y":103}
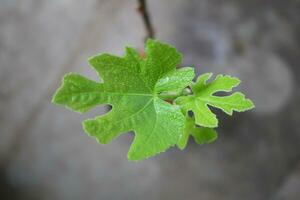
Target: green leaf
{"x":131,"y":85}
{"x":201,"y":135}
{"x":204,"y":96}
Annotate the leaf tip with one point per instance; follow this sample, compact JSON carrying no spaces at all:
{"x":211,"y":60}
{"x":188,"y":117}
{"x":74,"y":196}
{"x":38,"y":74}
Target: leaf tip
{"x":180,"y":146}
{"x":90,"y":129}
{"x":250,"y":103}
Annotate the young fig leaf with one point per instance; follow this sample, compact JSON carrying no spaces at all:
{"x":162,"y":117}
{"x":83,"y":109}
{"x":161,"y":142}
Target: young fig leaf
{"x":203,"y":95}
{"x":150,"y":97}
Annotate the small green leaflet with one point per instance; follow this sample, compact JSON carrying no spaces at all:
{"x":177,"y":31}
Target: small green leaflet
{"x":149,"y":97}
{"x":201,"y":135}
{"x":203,"y":96}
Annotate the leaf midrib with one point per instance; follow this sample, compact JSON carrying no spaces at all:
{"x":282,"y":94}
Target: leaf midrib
{"x":115,"y":93}
{"x":138,"y":111}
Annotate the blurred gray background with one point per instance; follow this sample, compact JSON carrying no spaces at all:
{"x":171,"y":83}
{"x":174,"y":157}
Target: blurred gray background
{"x":44,"y":153}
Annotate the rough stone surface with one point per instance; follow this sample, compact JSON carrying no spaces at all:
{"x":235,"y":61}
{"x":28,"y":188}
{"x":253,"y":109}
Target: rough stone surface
{"x":44,"y":154}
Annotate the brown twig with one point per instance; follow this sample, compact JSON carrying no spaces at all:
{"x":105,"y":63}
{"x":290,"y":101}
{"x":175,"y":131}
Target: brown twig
{"x":142,"y":8}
